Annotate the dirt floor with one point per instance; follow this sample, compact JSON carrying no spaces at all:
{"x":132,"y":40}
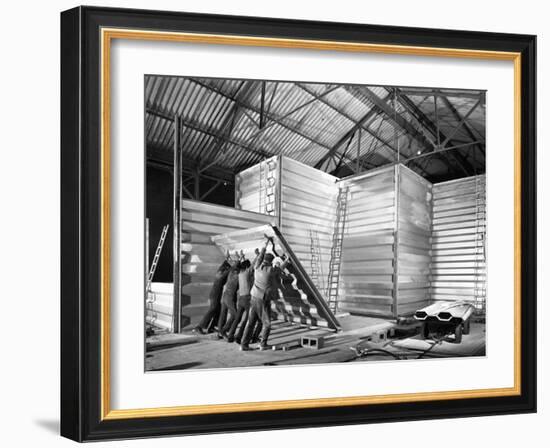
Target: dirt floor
{"x":361,"y":339}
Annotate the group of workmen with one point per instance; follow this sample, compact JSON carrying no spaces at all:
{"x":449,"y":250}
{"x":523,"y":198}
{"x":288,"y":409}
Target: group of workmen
{"x":241,"y":296}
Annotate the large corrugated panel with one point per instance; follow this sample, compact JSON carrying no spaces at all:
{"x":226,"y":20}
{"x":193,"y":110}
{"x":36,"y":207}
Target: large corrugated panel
{"x":367,"y":273}
{"x":159,"y":305}
{"x":299,"y":300}
{"x":304,"y":200}
{"x":257,"y":188}
{"x":458,"y":241}
{"x":413,"y":237}
{"x":308,"y":210}
{"x":200,"y":256}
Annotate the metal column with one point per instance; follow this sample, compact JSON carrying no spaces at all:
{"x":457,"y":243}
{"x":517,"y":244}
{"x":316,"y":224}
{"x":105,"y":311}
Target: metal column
{"x":176,"y":318}
{"x":396,"y":242}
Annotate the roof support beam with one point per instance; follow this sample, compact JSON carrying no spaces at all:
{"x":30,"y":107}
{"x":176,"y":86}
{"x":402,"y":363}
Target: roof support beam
{"x":243,"y":91}
{"x":466,"y":126}
{"x":429,"y":92}
{"x":394,"y":117}
{"x":350,"y":118}
{"x":262,"y":105}
{"x":439,"y":151}
{"x":161,"y":158}
{"x":210,"y":190}
{"x":382,"y":105}
{"x":339,"y":164}
{"x":346,"y":136}
{"x":461,"y":122}
{"x":212,"y":133}
{"x":427,"y":124}
{"x":269,"y":116}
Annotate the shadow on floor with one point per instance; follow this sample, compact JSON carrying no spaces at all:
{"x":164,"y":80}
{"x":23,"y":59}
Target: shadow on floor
{"x":186,"y":365}
{"x":156,"y":347}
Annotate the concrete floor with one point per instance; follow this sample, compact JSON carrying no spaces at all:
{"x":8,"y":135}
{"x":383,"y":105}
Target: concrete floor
{"x":189,"y":351}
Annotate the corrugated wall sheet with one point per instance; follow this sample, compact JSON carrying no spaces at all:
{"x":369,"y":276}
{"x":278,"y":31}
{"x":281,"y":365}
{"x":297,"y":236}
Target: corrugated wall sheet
{"x":308,"y":211}
{"x":200,"y":256}
{"x":458,"y":241}
{"x":367,"y":272}
{"x":305,"y":204}
{"x":257,"y":188}
{"x":160,"y":305}
{"x":405,"y":243}
{"x":413,"y":236}
{"x":298,"y":301}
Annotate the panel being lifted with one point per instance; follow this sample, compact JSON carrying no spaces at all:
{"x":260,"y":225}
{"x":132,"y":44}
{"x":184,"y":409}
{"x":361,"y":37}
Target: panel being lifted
{"x":299,"y":299}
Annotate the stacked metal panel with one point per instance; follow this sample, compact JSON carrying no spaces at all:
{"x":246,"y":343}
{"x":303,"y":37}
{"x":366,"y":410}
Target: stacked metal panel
{"x":405,"y":242}
{"x":366,"y":284}
{"x":458,"y":241}
{"x":304,"y":201}
{"x":257,"y":188}
{"x":413,"y":241}
{"x":159,"y":305}
{"x":200,"y":256}
{"x":299,"y":301}
{"x":308,"y":211}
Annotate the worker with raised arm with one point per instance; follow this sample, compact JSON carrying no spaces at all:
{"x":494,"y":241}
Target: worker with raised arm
{"x":263,"y":289}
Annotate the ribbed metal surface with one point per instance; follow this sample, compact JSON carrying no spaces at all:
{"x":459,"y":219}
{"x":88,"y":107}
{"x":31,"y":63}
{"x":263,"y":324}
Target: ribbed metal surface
{"x":414,"y":241}
{"x":308,"y":210}
{"x":305,"y":204}
{"x":258,"y":188}
{"x":366,"y":284}
{"x":458,"y":265}
{"x":200,"y":256}
{"x":297,"y":301}
{"x":394,"y":260}
{"x":224,"y":122}
{"x":159,"y":305}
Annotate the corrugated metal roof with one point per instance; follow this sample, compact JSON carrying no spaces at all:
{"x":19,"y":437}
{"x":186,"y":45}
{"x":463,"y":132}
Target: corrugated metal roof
{"x":237,"y":123}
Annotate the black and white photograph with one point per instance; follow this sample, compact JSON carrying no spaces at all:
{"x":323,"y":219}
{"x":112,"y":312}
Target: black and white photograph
{"x":290,"y":222}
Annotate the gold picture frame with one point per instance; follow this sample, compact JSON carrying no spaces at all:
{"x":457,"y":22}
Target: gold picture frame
{"x":108,"y":31}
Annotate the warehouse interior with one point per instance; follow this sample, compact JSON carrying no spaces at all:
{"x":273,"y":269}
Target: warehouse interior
{"x":376,"y":193}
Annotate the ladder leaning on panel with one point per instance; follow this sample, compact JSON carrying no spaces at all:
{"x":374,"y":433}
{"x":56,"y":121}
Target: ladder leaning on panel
{"x":156,"y":257}
{"x":268,"y":181}
{"x":316,"y":262}
{"x":480,"y":226}
{"x":336,"y":251}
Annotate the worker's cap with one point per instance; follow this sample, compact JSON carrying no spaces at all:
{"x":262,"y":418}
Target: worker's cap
{"x":268,"y":258}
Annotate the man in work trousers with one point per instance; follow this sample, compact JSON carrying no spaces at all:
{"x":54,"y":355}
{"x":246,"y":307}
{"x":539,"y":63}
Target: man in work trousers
{"x":265,"y":276}
{"x":246,"y":277}
{"x":209,"y":319}
{"x":228,"y":311}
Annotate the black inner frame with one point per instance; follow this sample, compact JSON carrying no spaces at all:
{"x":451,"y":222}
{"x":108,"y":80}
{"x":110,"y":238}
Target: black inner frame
{"x":81,"y":221}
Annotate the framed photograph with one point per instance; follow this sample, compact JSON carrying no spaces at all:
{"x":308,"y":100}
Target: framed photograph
{"x":277,"y":224}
